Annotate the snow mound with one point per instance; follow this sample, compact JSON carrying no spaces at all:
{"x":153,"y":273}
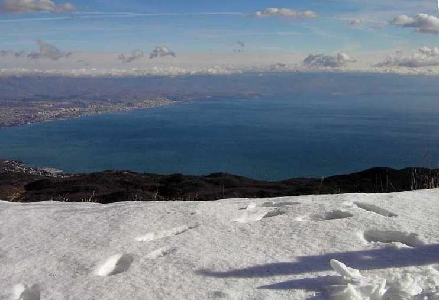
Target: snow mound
{"x":344,"y":270}
{"x":404,"y":286}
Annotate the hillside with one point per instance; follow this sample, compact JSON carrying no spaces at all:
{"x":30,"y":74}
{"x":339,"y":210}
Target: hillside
{"x":20,"y":183}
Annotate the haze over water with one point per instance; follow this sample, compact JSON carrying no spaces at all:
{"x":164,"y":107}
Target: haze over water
{"x":317,"y":132}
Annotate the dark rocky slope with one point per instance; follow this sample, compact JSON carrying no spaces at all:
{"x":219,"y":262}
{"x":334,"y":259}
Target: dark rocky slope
{"x":23,"y":184}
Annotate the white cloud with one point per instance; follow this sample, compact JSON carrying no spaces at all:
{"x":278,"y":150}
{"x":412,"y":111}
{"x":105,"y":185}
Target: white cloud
{"x":328,"y":61}
{"x":422,"y":23}
{"x":47,"y":51}
{"x":23,"y":6}
{"x":286,"y":12}
{"x":85,"y":63}
{"x":161,"y":51}
{"x":429,"y":52}
{"x":424,"y":57}
{"x":133,"y":55}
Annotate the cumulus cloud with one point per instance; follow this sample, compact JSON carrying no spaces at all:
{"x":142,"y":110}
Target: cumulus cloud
{"x":47,"y":51}
{"x":286,"y":12}
{"x":133,"y":55}
{"x":424,"y":57}
{"x":429,"y":52}
{"x":328,"y":61}
{"x":161,"y":51}
{"x":25,"y":6}
{"x":422,"y":23}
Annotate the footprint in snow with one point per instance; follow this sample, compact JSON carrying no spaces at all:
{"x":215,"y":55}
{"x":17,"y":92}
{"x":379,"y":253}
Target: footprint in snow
{"x":375,"y":209}
{"x":23,"y":292}
{"x":269,"y":204}
{"x":255,"y":215}
{"x":279,"y":204}
{"x":326,"y":216}
{"x":218,"y":295}
{"x":115,"y":264}
{"x":160,"y":252}
{"x":152,"y":236}
{"x":389,"y":237}
{"x":332,"y":215}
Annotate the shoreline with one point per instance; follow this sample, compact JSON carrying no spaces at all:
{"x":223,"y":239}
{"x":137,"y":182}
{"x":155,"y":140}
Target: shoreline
{"x":23,"y":117}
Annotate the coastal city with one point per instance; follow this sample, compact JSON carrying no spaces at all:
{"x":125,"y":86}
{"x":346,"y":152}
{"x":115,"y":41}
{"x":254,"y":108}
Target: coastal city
{"x":24,"y":111}
{"x":29,"y":100}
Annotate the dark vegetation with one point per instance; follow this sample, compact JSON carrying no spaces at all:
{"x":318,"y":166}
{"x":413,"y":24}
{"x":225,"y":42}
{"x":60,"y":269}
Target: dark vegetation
{"x":116,"y":186}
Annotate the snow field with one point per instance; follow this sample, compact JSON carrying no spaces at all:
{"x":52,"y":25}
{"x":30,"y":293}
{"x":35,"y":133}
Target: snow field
{"x":351,"y":246}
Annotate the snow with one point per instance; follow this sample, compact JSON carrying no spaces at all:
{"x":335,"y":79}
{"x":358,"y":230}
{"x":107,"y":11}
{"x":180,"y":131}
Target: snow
{"x":115,"y":264}
{"x":347,"y":246}
{"x":162,"y":234}
{"x":344,"y":270}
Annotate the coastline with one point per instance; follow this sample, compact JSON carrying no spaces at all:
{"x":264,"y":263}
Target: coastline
{"x":49,"y":111}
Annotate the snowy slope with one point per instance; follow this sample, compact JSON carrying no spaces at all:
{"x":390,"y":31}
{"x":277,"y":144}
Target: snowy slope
{"x":284,"y":248}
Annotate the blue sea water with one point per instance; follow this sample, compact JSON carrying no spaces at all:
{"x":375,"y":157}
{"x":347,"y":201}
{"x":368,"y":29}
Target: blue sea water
{"x":272,"y":137}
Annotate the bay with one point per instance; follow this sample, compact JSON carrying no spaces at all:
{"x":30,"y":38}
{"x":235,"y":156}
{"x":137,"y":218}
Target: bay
{"x":272,"y":137}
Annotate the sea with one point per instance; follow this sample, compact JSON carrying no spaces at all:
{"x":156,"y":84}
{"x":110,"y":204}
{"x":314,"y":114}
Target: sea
{"x":348,"y":124}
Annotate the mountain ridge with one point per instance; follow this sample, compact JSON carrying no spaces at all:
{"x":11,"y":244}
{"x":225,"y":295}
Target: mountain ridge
{"x":20,"y":183}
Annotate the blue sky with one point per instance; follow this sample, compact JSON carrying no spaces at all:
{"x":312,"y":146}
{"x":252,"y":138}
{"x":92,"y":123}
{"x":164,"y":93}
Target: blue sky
{"x":216,"y":26}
